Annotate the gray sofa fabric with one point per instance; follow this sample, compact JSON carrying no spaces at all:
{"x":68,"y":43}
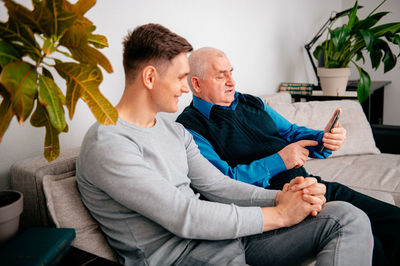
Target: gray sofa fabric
{"x":27,"y":177}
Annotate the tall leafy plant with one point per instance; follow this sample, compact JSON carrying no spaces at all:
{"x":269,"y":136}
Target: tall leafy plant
{"x":56,"y":36}
{"x":349,"y":42}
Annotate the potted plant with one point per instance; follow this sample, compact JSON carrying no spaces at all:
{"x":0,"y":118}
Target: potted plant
{"x":55,"y":38}
{"x":349,"y":42}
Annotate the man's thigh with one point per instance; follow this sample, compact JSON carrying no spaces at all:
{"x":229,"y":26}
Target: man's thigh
{"x":222,"y":252}
{"x":297,"y":244}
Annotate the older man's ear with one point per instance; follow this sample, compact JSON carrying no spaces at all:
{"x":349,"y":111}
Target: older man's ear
{"x":195,"y":85}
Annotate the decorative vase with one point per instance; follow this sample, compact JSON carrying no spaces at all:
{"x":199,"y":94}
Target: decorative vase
{"x":333,"y":80}
{"x":11,"y":205}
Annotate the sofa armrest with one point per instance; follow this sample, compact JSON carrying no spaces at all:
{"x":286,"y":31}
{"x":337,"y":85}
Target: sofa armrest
{"x":387,"y":138}
{"x":27,"y":176}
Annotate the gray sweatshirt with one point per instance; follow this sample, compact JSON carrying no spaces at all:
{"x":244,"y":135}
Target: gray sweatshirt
{"x":142,"y":185}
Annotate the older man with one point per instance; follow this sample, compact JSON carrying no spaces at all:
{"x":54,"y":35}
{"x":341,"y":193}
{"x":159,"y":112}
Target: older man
{"x":138,"y":179}
{"x":250,"y":142}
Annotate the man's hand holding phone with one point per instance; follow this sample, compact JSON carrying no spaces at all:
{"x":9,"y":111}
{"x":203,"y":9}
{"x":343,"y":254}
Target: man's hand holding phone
{"x":334,"y":133}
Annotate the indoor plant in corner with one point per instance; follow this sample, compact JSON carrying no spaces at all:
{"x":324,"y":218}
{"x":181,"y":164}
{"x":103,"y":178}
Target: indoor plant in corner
{"x":349,"y":42}
{"x":53,"y":38}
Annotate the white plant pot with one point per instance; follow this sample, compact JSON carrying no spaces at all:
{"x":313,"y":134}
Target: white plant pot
{"x":11,"y":205}
{"x":333,"y":80}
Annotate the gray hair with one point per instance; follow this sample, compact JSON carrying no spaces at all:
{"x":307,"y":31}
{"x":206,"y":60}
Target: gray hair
{"x":199,"y":63}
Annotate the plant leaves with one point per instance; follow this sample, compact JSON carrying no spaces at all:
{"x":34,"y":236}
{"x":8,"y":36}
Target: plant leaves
{"x":360,"y":56}
{"x":26,"y":16}
{"x":368,"y":22}
{"x":61,"y":19}
{"x":21,"y":37}
{"x":389,"y":60}
{"x":99,"y":41}
{"x":83,"y":82}
{"x":363,"y":85}
{"x":339,"y":35}
{"x":52,"y":98}
{"x":80,"y":7}
{"x":353,"y":15}
{"x":40,"y":118}
{"x":47,"y":73}
{"x":368,"y":38}
{"x":6,"y":111}
{"x":76,"y":40}
{"x":385,"y":28}
{"x":8,"y":53}
{"x":20,"y":81}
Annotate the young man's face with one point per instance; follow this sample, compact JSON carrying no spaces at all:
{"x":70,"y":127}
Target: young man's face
{"x":170,"y":84}
{"x":218,"y":86}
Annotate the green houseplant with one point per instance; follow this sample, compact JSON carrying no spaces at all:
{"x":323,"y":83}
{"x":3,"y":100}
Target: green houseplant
{"x":53,"y":38}
{"x":351,"y":41}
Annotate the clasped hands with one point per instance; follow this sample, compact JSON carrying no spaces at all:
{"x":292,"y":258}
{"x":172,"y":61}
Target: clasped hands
{"x":300,"y":198}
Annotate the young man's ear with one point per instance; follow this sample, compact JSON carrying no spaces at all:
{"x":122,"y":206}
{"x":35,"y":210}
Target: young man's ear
{"x":148,"y":76}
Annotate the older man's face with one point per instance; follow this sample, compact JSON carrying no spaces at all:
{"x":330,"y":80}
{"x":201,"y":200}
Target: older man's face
{"x":218,"y":86}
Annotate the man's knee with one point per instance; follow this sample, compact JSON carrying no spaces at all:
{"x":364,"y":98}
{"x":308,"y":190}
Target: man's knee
{"x":348,"y":216}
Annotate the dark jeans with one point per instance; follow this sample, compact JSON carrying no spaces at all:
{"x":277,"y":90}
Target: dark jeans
{"x":384,"y":217}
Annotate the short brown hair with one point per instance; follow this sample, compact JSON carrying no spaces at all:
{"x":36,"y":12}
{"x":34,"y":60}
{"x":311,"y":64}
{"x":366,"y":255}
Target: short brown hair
{"x":151,"y":43}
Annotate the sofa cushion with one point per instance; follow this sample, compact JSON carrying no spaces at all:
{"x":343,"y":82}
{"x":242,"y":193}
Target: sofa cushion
{"x":316,"y":114}
{"x":377,"y":175}
{"x":67,"y":210}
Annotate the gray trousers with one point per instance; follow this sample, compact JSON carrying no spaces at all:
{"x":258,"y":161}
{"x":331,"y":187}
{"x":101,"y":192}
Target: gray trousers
{"x":339,"y":235}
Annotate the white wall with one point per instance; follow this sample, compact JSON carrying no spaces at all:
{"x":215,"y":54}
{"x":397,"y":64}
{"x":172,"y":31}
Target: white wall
{"x":263,"y":39}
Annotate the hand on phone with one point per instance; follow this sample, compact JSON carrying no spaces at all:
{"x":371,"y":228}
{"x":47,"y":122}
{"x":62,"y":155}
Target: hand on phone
{"x":331,"y":124}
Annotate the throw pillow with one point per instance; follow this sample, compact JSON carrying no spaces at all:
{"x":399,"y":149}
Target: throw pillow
{"x":67,"y":210}
{"x":316,"y":114}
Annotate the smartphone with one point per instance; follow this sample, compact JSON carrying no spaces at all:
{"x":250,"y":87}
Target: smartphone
{"x":334,"y":122}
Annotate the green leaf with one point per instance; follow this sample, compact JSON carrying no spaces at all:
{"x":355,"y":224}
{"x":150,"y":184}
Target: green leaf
{"x":8,"y":53}
{"x":80,"y":7}
{"x":83,"y":82}
{"x":363,"y":85}
{"x":20,"y":81}
{"x":61,"y":19}
{"x":385,"y":28}
{"x":318,"y":50}
{"x":353,"y":15}
{"x":339,"y":36}
{"x":360,"y":56}
{"x":6,"y":111}
{"x":47,"y":73}
{"x":49,"y":46}
{"x":368,"y":22}
{"x":26,"y":16}
{"x":76,"y":40}
{"x":368,"y":38}
{"x":20,"y":36}
{"x":99,"y":41}
{"x":40,"y":118}
{"x":52,"y":98}
{"x":389,"y":60}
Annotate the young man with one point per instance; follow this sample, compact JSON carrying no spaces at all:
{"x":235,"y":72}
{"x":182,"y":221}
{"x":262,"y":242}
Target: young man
{"x":251,"y":142}
{"x":142,"y":180}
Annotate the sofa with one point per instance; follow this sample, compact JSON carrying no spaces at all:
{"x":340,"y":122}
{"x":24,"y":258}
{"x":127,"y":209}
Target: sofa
{"x":51,"y":197}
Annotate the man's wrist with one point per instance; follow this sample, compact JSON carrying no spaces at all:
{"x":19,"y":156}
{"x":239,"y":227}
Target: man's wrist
{"x":272,"y":218}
